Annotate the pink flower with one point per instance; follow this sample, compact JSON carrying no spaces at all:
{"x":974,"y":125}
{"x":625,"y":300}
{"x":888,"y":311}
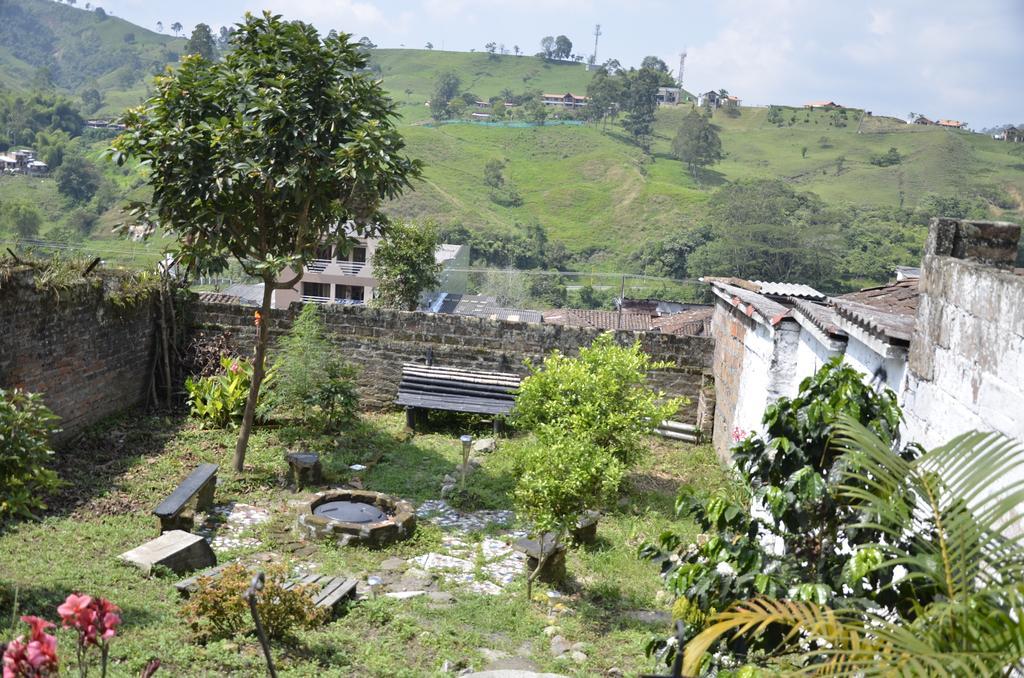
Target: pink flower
{"x":73,"y":606}
{"x":235,"y":367}
{"x":738,"y":435}
{"x":36,"y":658}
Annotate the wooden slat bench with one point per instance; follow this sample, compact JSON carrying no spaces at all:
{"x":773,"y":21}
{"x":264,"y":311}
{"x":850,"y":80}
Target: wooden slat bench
{"x":200,"y":485}
{"x":429,"y":387}
{"x":331,"y":592}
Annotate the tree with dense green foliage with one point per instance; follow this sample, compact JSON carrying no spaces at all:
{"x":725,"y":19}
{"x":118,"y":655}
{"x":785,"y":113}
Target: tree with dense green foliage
{"x":233,"y":176}
{"x":563,"y":47}
{"x":601,"y":397}
{"x":561,"y":477}
{"x":764,"y":230}
{"x":177,"y":27}
{"x":25,"y":220}
{"x":77,"y":179}
{"x":548,"y":290}
{"x":92,"y":99}
{"x":890,"y":157}
{"x":640,"y":103}
{"x":26,"y":425}
{"x":604,"y":94}
{"x":697,"y":143}
{"x":23,"y":117}
{"x":446,"y":88}
{"x":405,"y":265}
{"x":202,"y":43}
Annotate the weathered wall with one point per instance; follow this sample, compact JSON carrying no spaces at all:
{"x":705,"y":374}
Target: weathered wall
{"x":89,"y":357}
{"x":967,"y":355}
{"x":729,"y":329}
{"x":379,"y":341}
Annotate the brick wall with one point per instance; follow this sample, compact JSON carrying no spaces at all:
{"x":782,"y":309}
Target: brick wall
{"x":729,"y":329}
{"x":379,"y":341}
{"x":87,"y":356}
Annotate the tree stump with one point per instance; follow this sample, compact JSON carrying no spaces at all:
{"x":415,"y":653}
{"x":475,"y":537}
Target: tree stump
{"x":304,"y":469}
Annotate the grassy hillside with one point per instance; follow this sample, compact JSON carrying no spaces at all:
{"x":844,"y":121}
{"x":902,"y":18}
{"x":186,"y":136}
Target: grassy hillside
{"x":410,"y":74}
{"x":44,"y":42}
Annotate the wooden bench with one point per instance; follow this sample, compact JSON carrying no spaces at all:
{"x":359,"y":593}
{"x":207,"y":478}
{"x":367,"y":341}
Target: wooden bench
{"x":331,"y":592}
{"x":429,"y":387}
{"x":200,"y":484}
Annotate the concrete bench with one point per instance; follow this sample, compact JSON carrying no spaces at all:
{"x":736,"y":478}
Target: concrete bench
{"x":200,"y":484}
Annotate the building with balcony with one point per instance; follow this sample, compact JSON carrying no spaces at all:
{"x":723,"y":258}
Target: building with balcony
{"x":336,"y":277}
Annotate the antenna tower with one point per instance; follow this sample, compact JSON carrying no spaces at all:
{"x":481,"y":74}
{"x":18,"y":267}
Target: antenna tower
{"x":682,"y":64}
{"x":597,"y":34}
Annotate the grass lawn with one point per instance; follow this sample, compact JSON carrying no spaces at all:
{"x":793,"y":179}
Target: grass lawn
{"x":120,"y":470}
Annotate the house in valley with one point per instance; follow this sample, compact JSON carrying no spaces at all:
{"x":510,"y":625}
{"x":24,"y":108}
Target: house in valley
{"x":567,"y":100}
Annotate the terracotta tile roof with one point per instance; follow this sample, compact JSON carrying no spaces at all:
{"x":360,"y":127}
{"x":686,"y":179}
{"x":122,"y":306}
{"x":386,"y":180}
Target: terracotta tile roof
{"x":219,"y":298}
{"x":888,"y":312}
{"x":695,"y":322}
{"x":602,"y":320}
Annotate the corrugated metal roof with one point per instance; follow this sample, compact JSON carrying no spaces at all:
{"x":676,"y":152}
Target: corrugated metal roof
{"x":516,"y":315}
{"x":822,"y":317}
{"x":751,"y":302}
{"x":796,"y":290}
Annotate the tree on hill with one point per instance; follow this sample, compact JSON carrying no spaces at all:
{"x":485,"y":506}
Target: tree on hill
{"x":230,"y":176}
{"x":491,"y":48}
{"x":77,"y":179}
{"x":697,"y":143}
{"x":640,"y":103}
{"x":176,"y":28}
{"x":547,"y":46}
{"x":430,"y":45}
{"x":563,"y":47}
{"x":202,"y":43}
{"x":405,"y":266}
{"x":23,"y":219}
{"x":493,"y":176}
{"x":515,"y":48}
{"x":655,"y":64}
{"x":92,"y":99}
{"x":446,"y":88}
{"x":159,"y":26}
{"x":604,"y":92}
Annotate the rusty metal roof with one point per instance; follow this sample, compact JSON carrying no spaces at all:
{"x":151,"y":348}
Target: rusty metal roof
{"x":821,"y":316}
{"x":752,"y":302}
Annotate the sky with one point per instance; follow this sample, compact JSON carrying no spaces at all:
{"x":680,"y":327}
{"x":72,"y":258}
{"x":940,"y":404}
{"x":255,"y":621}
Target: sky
{"x":941,"y":58}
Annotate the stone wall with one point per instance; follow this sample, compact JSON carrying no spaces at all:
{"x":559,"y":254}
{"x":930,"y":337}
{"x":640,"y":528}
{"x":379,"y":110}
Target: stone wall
{"x":966,"y":368}
{"x":379,"y":341}
{"x":729,"y":328}
{"x":88,"y":356}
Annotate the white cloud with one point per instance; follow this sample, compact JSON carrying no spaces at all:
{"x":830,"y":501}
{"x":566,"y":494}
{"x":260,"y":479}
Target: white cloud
{"x":881,"y":21}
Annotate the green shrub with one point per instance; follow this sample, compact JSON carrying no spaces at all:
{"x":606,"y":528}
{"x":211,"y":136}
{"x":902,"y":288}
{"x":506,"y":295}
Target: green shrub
{"x":219,"y":400}
{"x":218,"y":608}
{"x":26,"y":425}
{"x":561,"y":477}
{"x":311,"y":379}
{"x":600,"y":397}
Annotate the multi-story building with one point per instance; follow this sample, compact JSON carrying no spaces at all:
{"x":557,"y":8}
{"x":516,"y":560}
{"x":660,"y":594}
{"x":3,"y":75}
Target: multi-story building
{"x":567,"y":100}
{"x":336,"y":277}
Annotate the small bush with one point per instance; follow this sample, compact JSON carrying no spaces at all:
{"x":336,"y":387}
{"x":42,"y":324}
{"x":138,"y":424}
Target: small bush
{"x":26,"y":425}
{"x":218,"y":608}
{"x":600,"y":397}
{"x":219,"y":400}
{"x":890,"y":157}
{"x":311,"y":379}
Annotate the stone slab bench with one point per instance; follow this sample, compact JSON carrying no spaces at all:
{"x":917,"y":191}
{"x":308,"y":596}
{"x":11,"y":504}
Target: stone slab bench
{"x":430,"y":387}
{"x":200,"y":484}
{"x":331,"y":592}
{"x":177,"y":550}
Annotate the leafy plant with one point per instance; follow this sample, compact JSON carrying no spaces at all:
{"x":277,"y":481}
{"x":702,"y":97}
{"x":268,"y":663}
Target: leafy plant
{"x":405,"y":266}
{"x":799,"y":534}
{"x":949,"y":519}
{"x":218,"y":609}
{"x":560,"y":477}
{"x":220,"y":399}
{"x":310,"y":378}
{"x":26,"y":425}
{"x":600,"y":397}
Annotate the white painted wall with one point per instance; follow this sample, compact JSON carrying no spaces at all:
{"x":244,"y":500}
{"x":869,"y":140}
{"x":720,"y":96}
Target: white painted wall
{"x":769,"y":371}
{"x":865,"y":360}
{"x":811,"y":354}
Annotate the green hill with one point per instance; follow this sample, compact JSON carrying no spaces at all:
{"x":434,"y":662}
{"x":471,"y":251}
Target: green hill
{"x":588,"y":185}
{"x":49,"y":44}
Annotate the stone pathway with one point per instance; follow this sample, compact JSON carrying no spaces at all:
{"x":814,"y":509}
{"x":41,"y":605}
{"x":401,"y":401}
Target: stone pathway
{"x":486,"y":566}
{"x":226,"y":522}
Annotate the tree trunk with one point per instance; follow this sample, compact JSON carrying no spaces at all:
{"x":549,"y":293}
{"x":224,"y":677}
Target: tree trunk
{"x":262,"y":334}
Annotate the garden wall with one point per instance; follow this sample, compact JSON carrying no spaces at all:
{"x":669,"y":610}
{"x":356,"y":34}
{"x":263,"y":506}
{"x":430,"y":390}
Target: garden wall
{"x":89,"y":356}
{"x":379,"y":341}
